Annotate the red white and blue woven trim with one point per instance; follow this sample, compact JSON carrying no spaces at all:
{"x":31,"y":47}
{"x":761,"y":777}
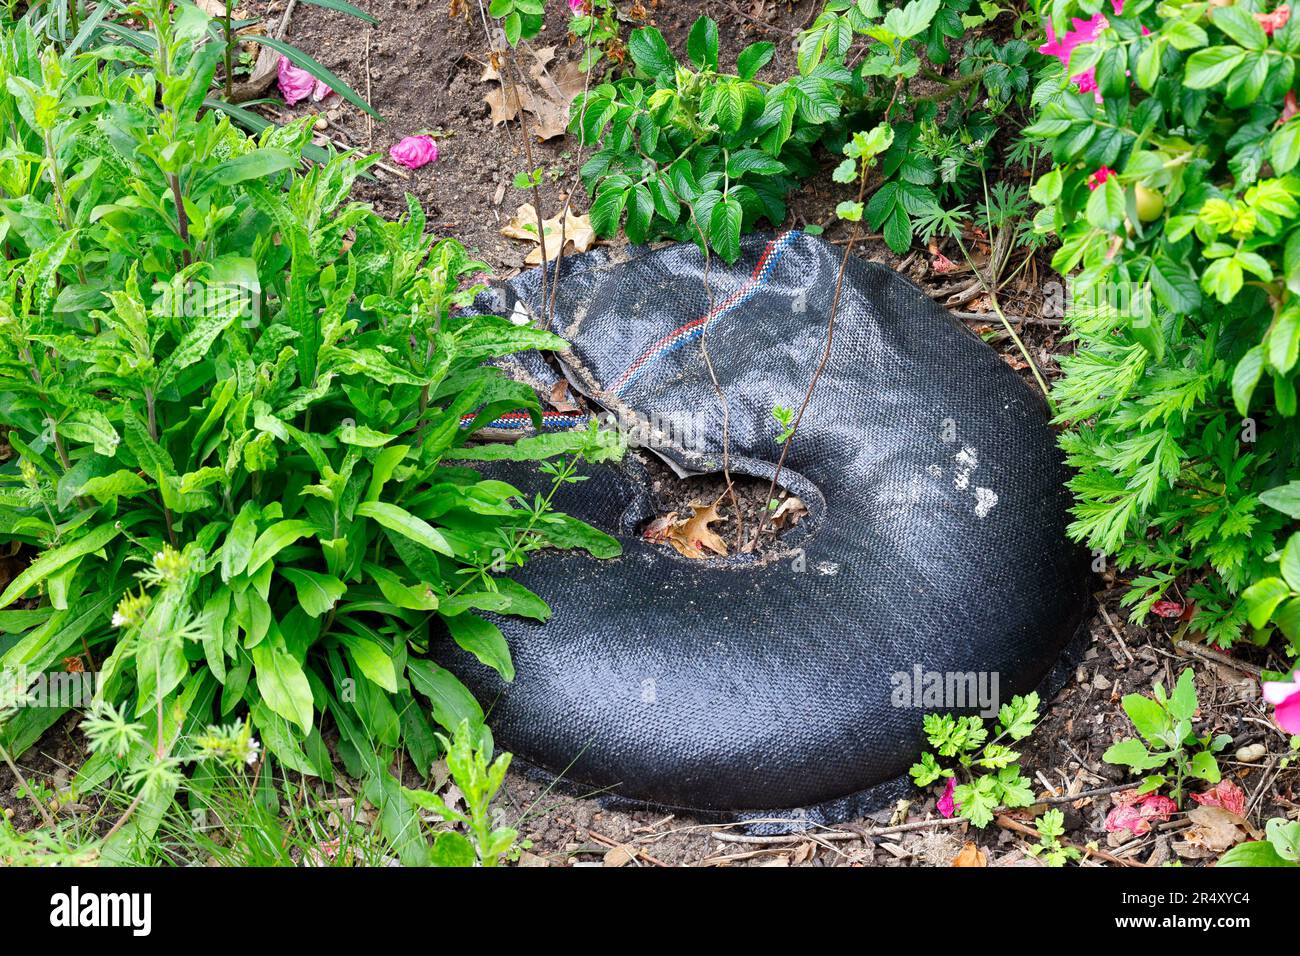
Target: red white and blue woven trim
{"x":520,"y":420}
{"x":669,"y":343}
{"x":695,"y":328}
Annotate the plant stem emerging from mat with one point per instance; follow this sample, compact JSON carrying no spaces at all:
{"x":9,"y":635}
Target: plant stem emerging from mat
{"x":821,"y":365}
{"x":863,"y":156}
{"x":730,"y":490}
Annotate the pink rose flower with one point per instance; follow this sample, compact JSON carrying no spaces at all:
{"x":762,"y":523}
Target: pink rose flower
{"x":414,"y":152}
{"x":576,"y":5}
{"x":947,"y":805}
{"x":1285,"y":698}
{"x":1136,"y":814}
{"x":1085,"y":31}
{"x":297,"y":84}
{"x":1102,"y":174}
{"x":1275,"y":20}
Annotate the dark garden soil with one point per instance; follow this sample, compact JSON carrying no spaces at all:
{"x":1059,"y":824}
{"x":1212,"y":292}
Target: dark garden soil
{"x":422,"y":69}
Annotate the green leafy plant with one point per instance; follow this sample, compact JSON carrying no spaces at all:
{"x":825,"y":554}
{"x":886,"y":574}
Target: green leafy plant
{"x":940,"y":139}
{"x":696,"y":153}
{"x":520,"y":19}
{"x":1049,"y":849}
{"x":596,"y":25}
{"x":1280,"y":847}
{"x":238,"y":408}
{"x":785,"y":418}
{"x":1168,"y":743}
{"x":1275,"y":600}
{"x":860,"y":155}
{"x":988,"y":769}
{"x":479,"y":778}
{"x":1174,"y":195}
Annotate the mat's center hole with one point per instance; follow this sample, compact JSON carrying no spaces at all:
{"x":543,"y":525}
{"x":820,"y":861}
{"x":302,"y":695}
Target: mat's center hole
{"x":701,"y":518}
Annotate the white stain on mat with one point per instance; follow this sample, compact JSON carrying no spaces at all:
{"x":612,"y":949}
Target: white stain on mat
{"x":985,"y":500}
{"x":967,"y":461}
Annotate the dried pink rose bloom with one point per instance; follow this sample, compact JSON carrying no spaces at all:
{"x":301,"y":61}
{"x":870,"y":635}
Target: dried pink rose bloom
{"x":1226,"y":795}
{"x":1290,"y":107}
{"x":1167,"y":609}
{"x":414,"y":152}
{"x":1136,"y":813}
{"x":1275,"y":20}
{"x":297,"y":84}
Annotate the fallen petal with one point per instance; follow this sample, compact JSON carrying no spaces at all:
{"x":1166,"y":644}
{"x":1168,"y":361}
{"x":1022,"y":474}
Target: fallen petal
{"x":414,"y":152}
{"x":1224,"y":794}
{"x":295,"y":83}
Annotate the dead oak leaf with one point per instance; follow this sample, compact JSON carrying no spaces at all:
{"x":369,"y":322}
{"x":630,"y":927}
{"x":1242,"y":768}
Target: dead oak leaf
{"x":692,"y":537}
{"x":545,"y":95}
{"x":970,"y":855}
{"x":789,"y":513}
{"x":659,"y":529}
{"x":503,"y":105}
{"x":1213,"y":831}
{"x":576,"y":234}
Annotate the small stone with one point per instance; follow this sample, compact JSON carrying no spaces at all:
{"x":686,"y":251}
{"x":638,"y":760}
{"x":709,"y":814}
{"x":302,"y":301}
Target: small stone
{"x":1252,"y":753}
{"x":1101,"y":682}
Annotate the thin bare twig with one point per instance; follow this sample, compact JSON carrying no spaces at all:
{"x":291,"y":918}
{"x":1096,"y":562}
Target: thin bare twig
{"x":713,"y":375}
{"x":826,"y":355}
{"x":370,"y":123}
{"x":27,"y":787}
{"x":513,"y":65}
{"x":568,"y":198}
{"x":1217,"y":657}
{"x":1115,"y":631}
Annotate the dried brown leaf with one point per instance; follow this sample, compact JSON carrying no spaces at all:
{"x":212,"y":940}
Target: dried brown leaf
{"x":970,"y":855}
{"x":545,"y":96}
{"x":658,"y":529}
{"x":789,"y":513}
{"x":1213,"y":830}
{"x":502,"y":105}
{"x":577,"y":232}
{"x":560,"y":399}
{"x":693,"y":536}
{"x":620,"y":855}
